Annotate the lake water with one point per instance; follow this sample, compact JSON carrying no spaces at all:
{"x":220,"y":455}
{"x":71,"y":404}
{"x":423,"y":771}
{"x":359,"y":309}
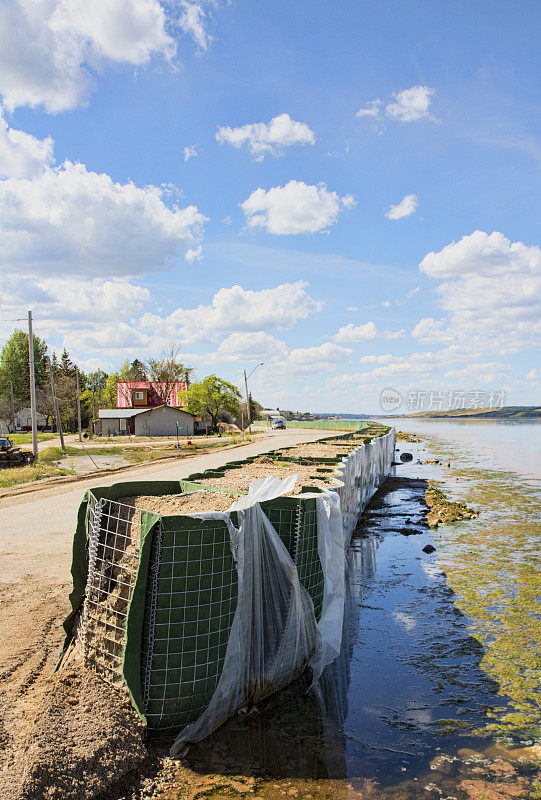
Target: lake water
{"x":511,"y":445}
{"x":436,"y":692}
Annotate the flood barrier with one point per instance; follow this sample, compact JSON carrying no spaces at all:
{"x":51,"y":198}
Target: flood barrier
{"x":200,"y":615}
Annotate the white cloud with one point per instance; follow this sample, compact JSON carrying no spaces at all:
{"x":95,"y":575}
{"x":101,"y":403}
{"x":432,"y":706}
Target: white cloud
{"x":193,"y":22}
{"x":491,"y":292}
{"x":49,"y":49}
{"x":272,"y":137}
{"x":190,"y":151}
{"x":481,"y":253}
{"x":235,"y":310}
{"x":479,"y":373}
{"x":405,"y":208}
{"x":411,"y":104}
{"x":68,"y":219}
{"x":294,"y":208}
{"x":21,"y":154}
{"x":89,"y":300}
{"x":383,"y":359}
{"x":356,"y":333}
{"x":249,"y":347}
{"x":372,"y":109}
{"x":324,"y":355}
{"x":431,"y":331}
{"x":194,"y":254}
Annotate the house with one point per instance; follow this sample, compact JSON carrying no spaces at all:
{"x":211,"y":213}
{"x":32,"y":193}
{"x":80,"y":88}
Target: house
{"x":157,"y":421}
{"x":269,"y":414}
{"x":146,"y":394}
{"x":23,"y":421}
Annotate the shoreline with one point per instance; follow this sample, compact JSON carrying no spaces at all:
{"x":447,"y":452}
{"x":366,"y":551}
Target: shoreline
{"x":161,"y":777}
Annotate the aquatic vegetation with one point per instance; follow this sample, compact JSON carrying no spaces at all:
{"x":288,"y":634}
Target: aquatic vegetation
{"x":444,"y":510}
{"x":402,"y":436}
{"x":492,"y":566}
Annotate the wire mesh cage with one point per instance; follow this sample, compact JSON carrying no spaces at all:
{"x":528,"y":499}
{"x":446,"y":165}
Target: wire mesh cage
{"x":114,"y":538}
{"x":155,"y":595}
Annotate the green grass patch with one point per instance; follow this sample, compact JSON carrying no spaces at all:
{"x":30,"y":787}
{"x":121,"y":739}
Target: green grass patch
{"x":26,"y":438}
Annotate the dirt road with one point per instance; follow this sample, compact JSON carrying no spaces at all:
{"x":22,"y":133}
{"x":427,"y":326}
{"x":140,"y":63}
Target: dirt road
{"x":35,"y":553}
{"x":36,"y":531}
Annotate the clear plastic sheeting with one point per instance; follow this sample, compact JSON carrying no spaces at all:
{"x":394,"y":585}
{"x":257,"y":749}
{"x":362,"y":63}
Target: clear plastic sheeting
{"x":273,"y":635}
{"x":330,"y":539}
{"x":216,"y":610}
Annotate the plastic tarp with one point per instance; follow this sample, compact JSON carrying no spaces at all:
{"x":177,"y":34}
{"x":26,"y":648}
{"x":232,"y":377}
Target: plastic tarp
{"x":274,"y":634}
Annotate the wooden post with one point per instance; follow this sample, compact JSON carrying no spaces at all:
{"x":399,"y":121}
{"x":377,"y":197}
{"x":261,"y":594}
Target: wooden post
{"x":12,"y":406}
{"x":248,"y":418}
{"x":78,"y":404}
{"x":56,"y":409}
{"x":32,"y":387}
{"x":93,"y":407}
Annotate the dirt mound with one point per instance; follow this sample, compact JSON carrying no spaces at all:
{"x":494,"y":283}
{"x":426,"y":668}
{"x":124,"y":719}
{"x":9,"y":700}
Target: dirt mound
{"x":75,"y":738}
{"x":173,"y":504}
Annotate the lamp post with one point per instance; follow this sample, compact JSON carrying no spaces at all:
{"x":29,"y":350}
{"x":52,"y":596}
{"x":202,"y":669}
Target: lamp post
{"x":248,"y":415}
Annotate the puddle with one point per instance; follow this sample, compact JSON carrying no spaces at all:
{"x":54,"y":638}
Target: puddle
{"x":433,"y":695}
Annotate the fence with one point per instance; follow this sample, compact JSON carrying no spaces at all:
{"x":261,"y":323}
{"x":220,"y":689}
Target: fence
{"x":174,"y":607}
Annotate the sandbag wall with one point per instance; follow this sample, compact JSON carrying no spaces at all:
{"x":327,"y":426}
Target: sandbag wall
{"x":154,"y":596}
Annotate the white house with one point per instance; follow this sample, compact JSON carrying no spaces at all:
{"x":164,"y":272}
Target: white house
{"x":157,"y":421}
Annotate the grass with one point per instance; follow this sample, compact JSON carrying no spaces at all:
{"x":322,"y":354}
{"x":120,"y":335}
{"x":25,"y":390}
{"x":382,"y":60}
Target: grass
{"x":26,"y":438}
{"x":51,"y":458}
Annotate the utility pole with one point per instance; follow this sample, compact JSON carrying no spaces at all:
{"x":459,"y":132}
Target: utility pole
{"x":56,"y":409}
{"x":249,"y":420}
{"x":32,"y":387}
{"x":12,"y":405}
{"x":93,"y":406}
{"x":78,"y":404}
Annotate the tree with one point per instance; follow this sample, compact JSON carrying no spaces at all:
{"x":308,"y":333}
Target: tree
{"x":136,"y":371}
{"x":66,"y":365}
{"x":165,"y":372}
{"x":14,"y":367}
{"x":212,"y":397}
{"x":64,"y":371}
{"x":255,"y":409}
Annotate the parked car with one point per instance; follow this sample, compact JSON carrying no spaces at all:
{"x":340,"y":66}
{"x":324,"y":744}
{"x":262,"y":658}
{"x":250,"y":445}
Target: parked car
{"x":278,"y":423}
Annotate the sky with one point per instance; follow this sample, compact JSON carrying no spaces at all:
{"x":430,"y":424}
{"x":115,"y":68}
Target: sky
{"x":347,"y":193}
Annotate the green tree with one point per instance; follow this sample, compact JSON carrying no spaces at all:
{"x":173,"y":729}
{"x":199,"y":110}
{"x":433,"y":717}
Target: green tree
{"x":66,"y":366}
{"x":165,"y":372}
{"x":14,"y":367}
{"x":136,"y":371}
{"x":212,"y":397}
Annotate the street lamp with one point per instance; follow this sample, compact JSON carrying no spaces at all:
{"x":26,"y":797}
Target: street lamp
{"x":247,"y":399}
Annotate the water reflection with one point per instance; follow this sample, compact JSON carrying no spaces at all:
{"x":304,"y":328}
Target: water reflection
{"x":407,"y":681}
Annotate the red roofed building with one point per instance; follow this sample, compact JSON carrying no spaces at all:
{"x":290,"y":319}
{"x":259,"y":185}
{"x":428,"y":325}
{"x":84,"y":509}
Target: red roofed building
{"x":147,"y":394}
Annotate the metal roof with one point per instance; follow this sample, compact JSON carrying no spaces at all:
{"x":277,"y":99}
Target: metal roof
{"x":119,"y":413}
{"x":126,"y":413}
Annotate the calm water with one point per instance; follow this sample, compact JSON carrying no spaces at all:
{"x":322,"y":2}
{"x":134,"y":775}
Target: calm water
{"x":437,"y":684}
{"x":513,"y":445}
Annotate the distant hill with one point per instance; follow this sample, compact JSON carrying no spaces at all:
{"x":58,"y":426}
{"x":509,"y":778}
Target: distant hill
{"x":507,"y":412}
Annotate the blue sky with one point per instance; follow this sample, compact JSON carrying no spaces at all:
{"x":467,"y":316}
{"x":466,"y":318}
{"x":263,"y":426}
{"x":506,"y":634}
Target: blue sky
{"x":365,"y":174}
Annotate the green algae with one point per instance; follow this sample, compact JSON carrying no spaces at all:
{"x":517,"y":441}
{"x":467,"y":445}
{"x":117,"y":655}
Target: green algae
{"x":492,"y":564}
{"x":443,"y":510}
